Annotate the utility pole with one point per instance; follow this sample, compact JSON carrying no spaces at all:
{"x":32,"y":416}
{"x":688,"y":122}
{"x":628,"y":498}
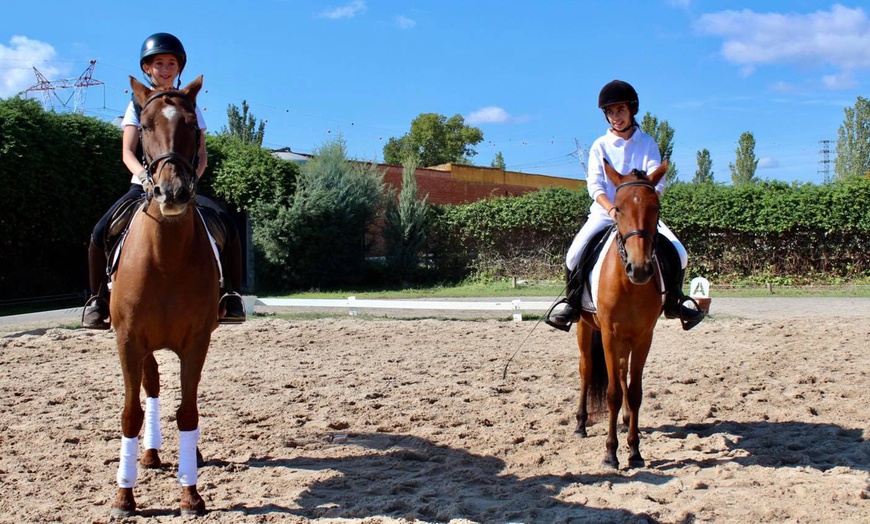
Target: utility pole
{"x":581,"y":153}
{"x":49,"y":89}
{"x":826,"y":160}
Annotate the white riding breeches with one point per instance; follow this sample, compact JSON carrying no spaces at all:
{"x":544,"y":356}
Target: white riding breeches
{"x":595,"y":222}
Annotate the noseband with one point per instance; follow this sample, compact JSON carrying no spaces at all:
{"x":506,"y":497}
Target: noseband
{"x":187,"y":167}
{"x":620,"y":239}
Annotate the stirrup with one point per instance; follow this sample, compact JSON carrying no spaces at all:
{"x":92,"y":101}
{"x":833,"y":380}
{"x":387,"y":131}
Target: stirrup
{"x":95,"y":307}
{"x":691,"y":322}
{"x":562,"y":327}
{"x":229,"y":316}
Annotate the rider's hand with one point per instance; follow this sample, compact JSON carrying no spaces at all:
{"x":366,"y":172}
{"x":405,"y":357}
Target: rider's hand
{"x":147,"y":185}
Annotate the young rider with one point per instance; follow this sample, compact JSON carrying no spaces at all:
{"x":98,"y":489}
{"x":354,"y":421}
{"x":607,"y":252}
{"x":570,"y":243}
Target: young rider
{"x":162,"y":59}
{"x":625,"y":147}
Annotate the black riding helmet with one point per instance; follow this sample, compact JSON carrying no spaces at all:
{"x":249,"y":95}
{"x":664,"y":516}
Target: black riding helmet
{"x":160,"y":43}
{"x":616,"y":92}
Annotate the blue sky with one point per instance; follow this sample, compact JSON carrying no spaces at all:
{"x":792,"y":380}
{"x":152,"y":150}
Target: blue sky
{"x":526,"y":73}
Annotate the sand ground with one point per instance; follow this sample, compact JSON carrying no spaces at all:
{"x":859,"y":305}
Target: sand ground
{"x":760,"y":414}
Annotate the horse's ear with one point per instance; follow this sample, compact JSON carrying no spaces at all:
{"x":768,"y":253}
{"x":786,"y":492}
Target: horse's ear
{"x":192,"y":89}
{"x":660,"y":171}
{"x":611,"y":173}
{"x":139,"y":90}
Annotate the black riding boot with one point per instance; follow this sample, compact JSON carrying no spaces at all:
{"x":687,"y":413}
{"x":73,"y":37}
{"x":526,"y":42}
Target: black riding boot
{"x":570,"y":314}
{"x":231,"y":309}
{"x":95,"y":314}
{"x":675,"y":300}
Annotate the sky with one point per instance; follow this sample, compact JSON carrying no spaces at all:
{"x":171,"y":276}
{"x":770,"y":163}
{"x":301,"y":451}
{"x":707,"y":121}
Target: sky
{"x":526,"y":73}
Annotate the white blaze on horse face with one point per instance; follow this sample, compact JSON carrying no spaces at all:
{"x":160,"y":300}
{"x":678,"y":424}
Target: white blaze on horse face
{"x":169,"y":112}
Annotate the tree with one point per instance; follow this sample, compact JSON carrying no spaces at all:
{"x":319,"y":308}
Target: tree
{"x":853,"y":142}
{"x":317,"y":235}
{"x":405,"y":224}
{"x":745,"y":163}
{"x":704,"y":173}
{"x":663,"y":134}
{"x":434,"y":139}
{"x":498,"y":161}
{"x":244,"y":174}
{"x":241,"y":124}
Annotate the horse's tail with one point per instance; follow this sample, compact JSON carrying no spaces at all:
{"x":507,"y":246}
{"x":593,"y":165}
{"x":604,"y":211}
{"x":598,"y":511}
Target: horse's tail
{"x":598,"y":382}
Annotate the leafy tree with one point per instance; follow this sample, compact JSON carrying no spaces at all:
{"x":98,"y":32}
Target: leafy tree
{"x":745,"y":163}
{"x":318,"y":235}
{"x":242,"y":125}
{"x":498,"y":161}
{"x":434,"y":139}
{"x":853,"y":142}
{"x":244,"y":173}
{"x":405,"y":224}
{"x":663,"y":134}
{"x":704,"y":174}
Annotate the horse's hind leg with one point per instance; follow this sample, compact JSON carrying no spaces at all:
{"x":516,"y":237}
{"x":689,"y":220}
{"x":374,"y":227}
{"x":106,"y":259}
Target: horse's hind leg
{"x":584,"y":342}
{"x":153,"y":438}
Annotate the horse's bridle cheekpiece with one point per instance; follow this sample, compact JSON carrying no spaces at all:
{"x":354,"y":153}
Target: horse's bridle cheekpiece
{"x":188,"y":167}
{"x":652,"y":237}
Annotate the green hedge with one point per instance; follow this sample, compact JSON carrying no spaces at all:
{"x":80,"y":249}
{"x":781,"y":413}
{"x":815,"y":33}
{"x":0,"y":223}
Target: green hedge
{"x":771,"y":231}
{"x":58,"y":174}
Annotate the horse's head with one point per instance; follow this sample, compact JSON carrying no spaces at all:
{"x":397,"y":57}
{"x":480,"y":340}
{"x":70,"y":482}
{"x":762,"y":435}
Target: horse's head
{"x":637,"y":216}
{"x":170,"y":138}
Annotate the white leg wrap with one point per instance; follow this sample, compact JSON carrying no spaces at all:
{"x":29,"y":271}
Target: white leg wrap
{"x":127,"y":465}
{"x":153,"y":438}
{"x":187,"y":440}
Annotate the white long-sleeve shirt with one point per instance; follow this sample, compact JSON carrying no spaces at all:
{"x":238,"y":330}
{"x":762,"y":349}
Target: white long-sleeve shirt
{"x":638,"y":152}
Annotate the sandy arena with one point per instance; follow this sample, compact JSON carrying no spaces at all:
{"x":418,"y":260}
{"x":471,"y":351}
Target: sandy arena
{"x":760,"y":414}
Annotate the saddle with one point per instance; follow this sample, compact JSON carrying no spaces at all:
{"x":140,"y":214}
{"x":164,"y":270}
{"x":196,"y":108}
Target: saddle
{"x":119,"y":226}
{"x":591,"y":262}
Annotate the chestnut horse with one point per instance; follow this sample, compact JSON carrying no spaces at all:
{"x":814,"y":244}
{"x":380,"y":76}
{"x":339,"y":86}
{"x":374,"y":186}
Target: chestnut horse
{"x":164,"y":291}
{"x":619,"y":334}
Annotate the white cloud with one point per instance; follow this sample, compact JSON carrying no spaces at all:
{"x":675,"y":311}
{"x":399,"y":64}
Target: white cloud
{"x":403,"y":22}
{"x":767,"y":162}
{"x":18,"y":61}
{"x":838,"y":38}
{"x":349,"y":10}
{"x":491,"y":115}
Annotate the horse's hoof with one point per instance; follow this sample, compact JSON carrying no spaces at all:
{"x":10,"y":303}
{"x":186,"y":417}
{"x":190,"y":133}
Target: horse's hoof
{"x":610,"y":463}
{"x":150,"y":459}
{"x":191,"y":503}
{"x":124,"y":504}
{"x":580,"y":432}
{"x":637,"y":462}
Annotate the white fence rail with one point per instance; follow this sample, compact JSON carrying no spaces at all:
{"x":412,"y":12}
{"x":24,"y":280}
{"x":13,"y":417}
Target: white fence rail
{"x":353,"y":305}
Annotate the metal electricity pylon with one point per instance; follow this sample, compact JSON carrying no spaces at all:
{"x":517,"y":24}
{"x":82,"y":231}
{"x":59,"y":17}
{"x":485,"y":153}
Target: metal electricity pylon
{"x":49,"y":88}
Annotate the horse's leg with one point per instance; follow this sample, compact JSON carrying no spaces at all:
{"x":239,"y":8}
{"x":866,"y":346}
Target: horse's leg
{"x":612,"y":351}
{"x":132,"y":416}
{"x":584,"y":342}
{"x":635,"y":396}
{"x":192,"y":361}
{"x":153,"y":438}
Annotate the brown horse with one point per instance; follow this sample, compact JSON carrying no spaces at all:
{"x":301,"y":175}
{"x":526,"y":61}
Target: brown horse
{"x":164,"y":292}
{"x":619,"y":334}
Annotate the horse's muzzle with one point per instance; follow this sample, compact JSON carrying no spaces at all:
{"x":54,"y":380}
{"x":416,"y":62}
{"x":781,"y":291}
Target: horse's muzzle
{"x":639,"y":274}
{"x":172,"y":197}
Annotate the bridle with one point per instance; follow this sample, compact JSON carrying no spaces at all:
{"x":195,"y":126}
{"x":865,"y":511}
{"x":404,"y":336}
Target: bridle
{"x":652,"y":237}
{"x":187,"y":166}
